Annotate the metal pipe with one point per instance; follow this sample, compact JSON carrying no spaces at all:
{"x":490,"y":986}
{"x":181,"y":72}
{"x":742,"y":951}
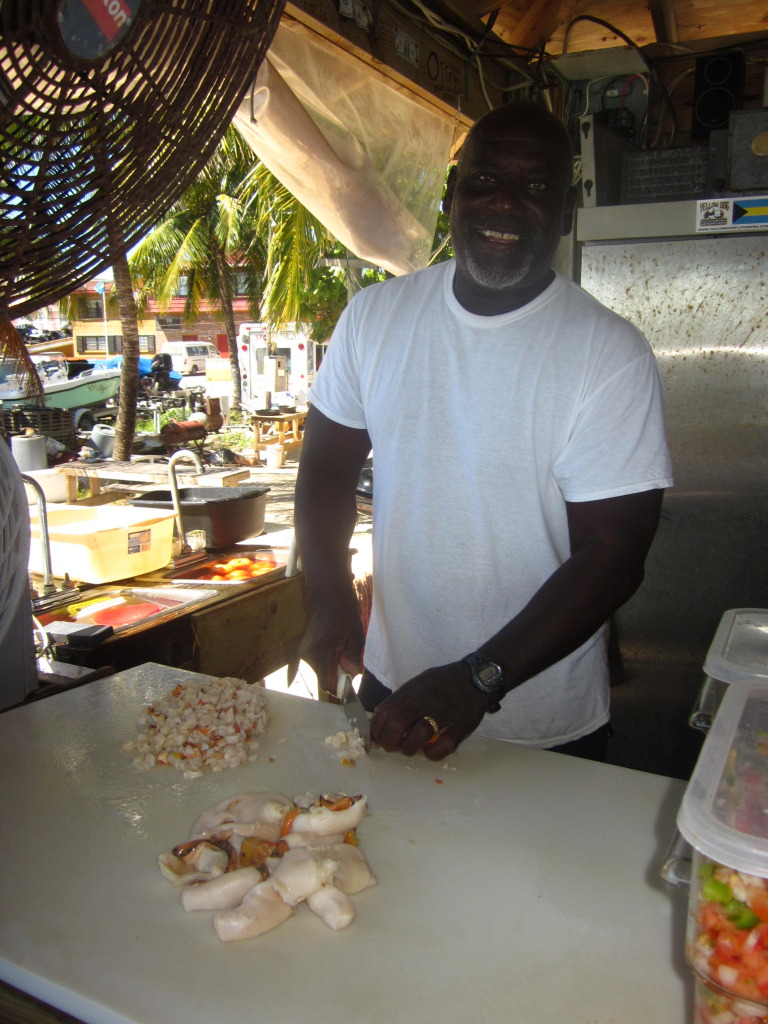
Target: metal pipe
{"x":49,"y":587}
{"x":193,"y":457}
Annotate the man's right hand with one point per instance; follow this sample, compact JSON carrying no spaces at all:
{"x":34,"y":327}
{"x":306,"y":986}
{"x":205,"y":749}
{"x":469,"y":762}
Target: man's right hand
{"x":334,"y":637}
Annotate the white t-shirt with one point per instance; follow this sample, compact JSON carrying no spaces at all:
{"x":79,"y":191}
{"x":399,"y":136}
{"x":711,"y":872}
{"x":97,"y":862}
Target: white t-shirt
{"x":481,"y":428}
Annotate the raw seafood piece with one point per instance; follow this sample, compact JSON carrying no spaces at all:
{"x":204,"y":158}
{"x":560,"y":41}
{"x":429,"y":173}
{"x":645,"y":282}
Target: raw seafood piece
{"x":349,"y":746}
{"x":197,"y":860}
{"x":262,"y":910}
{"x":221,"y":893}
{"x":244,"y":813}
{"x":302,"y":872}
{"x":293,"y":840}
{"x":212,"y":725}
{"x":250,"y":865}
{"x":332,"y":906}
{"x":330,"y":813}
{"x":353,"y":873}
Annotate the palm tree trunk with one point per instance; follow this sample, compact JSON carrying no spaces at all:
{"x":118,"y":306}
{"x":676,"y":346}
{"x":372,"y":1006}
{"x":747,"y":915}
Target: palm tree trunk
{"x":125,"y":427}
{"x":222,"y":269}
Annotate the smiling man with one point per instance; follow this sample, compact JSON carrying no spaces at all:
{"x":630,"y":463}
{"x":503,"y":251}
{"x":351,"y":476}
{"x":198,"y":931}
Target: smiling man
{"x":520,"y":461}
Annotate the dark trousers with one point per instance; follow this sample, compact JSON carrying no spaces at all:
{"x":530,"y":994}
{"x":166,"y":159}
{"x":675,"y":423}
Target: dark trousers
{"x":593,"y":747}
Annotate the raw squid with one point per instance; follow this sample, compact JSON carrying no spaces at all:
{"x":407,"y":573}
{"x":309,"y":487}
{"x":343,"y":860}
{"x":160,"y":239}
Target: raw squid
{"x":221,"y":893}
{"x":262,"y":910}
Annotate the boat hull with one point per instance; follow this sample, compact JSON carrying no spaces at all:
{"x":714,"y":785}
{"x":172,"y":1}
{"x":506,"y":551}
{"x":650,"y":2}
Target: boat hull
{"x":85,"y":391}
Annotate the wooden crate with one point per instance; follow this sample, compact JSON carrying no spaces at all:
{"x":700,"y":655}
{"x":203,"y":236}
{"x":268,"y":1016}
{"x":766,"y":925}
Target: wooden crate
{"x":56,"y":423}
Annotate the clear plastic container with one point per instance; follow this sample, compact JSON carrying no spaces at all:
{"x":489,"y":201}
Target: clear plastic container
{"x":713,"y":1006}
{"x":727,"y":935}
{"x":739,"y":648}
{"x":724,"y":816}
{"x":738,"y":653}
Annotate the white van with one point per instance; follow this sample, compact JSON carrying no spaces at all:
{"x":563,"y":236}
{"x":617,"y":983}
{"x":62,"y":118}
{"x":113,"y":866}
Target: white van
{"x":190,"y":356}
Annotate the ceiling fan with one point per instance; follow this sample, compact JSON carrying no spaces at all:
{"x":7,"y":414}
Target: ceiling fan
{"x":108,"y":110}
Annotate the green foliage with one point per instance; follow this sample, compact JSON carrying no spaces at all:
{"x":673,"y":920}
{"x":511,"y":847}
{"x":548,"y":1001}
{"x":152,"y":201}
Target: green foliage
{"x":146,"y":424}
{"x":208,"y":227}
{"x":294,"y":241}
{"x":442,"y":249}
{"x":323,"y":302}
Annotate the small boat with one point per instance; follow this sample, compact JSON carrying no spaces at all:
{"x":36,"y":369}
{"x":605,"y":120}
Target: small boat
{"x":89,"y":388}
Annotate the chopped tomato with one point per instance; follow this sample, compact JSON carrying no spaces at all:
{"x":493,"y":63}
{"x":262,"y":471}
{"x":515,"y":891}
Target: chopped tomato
{"x":238,"y":563}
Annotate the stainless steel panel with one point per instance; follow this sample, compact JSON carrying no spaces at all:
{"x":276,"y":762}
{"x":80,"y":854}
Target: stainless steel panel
{"x":703,"y":305}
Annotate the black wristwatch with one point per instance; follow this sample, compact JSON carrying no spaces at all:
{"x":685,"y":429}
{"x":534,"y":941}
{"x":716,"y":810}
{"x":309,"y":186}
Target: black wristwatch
{"x":488,"y":678}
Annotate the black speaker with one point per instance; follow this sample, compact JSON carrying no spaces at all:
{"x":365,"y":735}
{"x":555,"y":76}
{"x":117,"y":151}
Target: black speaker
{"x":718,"y":90}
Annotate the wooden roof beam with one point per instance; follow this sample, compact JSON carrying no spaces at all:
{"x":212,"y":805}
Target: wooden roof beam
{"x":664,"y":22}
{"x":534,"y":28}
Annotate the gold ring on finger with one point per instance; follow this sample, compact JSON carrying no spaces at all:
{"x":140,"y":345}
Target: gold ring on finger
{"x":433,"y":723}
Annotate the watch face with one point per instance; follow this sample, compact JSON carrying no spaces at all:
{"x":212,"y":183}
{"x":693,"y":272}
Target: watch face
{"x":487,"y":674}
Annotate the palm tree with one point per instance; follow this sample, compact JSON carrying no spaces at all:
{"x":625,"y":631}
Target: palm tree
{"x":205,"y":235}
{"x":295,"y":242}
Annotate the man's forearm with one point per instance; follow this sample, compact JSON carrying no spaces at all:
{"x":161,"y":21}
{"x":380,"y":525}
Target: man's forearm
{"x":564,"y":613}
{"x":325,"y":517}
{"x":610,"y":540}
{"x":325,"y":507}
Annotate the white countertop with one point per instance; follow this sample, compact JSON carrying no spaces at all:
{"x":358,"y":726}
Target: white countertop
{"x":514,"y":886}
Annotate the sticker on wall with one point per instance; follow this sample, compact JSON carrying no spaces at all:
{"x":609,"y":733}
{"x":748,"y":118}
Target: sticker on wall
{"x":749,"y":213}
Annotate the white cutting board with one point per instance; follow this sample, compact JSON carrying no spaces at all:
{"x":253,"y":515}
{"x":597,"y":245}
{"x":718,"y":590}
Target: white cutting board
{"x":514,"y":886}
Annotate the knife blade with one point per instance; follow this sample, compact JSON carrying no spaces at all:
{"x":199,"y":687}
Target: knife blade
{"x":356,"y":714}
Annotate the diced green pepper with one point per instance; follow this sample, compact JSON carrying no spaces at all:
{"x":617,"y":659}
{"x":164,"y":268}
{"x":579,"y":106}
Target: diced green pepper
{"x":716,"y":891}
{"x":741,"y":915}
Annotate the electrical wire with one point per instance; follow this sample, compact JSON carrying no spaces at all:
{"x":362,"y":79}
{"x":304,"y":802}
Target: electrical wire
{"x":653,"y":74}
{"x":673,"y":85}
{"x":438,"y":24}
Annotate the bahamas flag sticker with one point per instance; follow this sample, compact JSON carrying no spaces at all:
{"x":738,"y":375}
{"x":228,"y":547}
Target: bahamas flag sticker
{"x":748,"y":213}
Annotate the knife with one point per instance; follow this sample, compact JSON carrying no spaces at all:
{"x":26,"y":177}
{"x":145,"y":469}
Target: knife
{"x":353,"y":709}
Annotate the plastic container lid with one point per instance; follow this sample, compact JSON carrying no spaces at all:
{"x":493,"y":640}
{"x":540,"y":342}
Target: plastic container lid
{"x":724,"y":813}
{"x":739,"y":648}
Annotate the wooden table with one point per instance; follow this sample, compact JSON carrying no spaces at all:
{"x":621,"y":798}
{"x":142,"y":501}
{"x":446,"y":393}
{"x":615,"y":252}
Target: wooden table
{"x":288,"y":424}
{"x":143,"y":472}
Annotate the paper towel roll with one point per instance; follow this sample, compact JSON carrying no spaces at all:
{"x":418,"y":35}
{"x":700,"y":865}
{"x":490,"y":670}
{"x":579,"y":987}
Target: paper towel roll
{"x":29,"y":452}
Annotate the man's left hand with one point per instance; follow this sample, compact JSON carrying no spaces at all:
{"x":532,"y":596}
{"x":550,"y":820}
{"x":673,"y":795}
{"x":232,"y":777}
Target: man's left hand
{"x":433,"y":712}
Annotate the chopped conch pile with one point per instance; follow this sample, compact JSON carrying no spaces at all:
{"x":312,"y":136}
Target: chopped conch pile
{"x":349,"y":746}
{"x":252,"y":859}
{"x":211,"y":725}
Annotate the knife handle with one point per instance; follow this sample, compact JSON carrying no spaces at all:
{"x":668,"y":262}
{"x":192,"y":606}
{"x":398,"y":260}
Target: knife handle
{"x":293,"y":565}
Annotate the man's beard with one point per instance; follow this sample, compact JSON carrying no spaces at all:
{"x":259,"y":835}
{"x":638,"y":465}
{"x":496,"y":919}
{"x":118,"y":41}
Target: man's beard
{"x":497,"y":277}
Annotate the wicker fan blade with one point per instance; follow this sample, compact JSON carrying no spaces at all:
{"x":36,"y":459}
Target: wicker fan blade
{"x":108,"y":110}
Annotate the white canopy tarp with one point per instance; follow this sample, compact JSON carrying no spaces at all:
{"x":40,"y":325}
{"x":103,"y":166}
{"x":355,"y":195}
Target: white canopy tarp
{"x":367,"y":160}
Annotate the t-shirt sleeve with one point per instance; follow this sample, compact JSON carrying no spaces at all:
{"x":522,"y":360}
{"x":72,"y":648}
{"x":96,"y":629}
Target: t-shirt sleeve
{"x":335,"y":391}
{"x":618,"y":441}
